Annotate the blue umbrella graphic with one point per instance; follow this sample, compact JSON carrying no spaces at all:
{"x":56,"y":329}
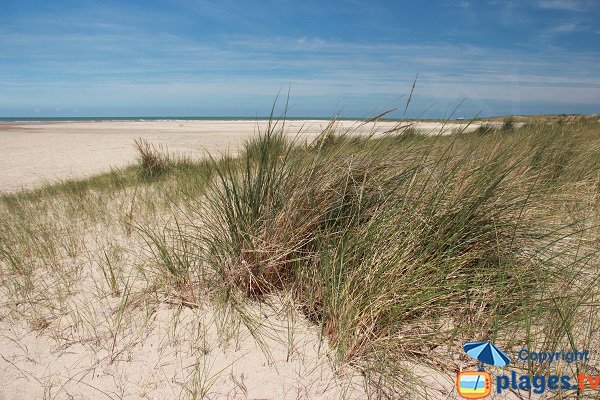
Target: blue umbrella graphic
{"x":486,"y":353}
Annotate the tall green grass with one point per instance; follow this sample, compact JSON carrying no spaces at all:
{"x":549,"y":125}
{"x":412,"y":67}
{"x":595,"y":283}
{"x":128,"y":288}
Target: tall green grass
{"x":401,"y":250}
{"x":400,"y":246}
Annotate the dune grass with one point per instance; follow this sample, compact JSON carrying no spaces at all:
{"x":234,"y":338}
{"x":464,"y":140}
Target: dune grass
{"x":401,"y":250}
{"x":399,"y":246}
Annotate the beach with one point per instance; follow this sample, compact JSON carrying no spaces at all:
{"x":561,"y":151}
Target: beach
{"x":34,"y":153}
{"x":299,"y":200}
{"x":174,"y":277}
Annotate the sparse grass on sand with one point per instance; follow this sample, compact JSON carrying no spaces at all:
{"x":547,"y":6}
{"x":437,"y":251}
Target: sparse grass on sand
{"x":399,"y":247}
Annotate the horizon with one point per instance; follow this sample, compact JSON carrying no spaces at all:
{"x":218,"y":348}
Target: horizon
{"x":80,"y":59}
{"x":92,"y":118}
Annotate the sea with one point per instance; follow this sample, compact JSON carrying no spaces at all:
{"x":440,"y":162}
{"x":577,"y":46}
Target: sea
{"x":141,"y":119}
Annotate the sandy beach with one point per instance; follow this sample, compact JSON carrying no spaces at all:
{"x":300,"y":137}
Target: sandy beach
{"x":145,"y":358}
{"x":418,"y":218}
{"x":34,"y":153}
{"x":129,"y":289}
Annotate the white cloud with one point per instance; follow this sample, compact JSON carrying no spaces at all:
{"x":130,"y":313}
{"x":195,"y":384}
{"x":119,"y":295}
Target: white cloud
{"x":566,"y":27}
{"x":566,"y":5}
{"x":167,"y":69}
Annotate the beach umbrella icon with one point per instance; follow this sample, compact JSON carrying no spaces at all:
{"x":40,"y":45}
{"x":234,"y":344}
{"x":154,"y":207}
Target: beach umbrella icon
{"x":486,"y":353}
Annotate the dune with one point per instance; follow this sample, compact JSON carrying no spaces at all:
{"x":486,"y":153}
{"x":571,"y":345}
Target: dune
{"x":142,"y":283}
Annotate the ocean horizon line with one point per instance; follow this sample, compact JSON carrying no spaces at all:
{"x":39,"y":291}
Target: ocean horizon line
{"x":255,"y":118}
{"x":214,"y":118}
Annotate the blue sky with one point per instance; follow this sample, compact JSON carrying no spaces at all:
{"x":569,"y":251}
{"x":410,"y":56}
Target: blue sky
{"x":230,"y":58}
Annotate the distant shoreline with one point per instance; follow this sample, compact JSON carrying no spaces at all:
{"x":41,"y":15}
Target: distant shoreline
{"x":175,"y":119}
{"x":241,"y":118}
{"x":147,"y":119}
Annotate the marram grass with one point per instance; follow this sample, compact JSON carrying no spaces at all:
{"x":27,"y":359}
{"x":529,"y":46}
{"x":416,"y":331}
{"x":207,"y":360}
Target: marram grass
{"x":399,"y":246}
{"x":402,"y":250}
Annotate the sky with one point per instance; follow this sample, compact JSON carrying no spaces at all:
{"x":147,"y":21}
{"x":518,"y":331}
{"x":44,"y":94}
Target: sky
{"x":348,"y":57}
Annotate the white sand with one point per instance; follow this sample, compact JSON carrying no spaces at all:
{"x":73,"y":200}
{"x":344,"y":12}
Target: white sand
{"x":70,"y":337}
{"x":177,"y":354}
{"x":34,"y":153}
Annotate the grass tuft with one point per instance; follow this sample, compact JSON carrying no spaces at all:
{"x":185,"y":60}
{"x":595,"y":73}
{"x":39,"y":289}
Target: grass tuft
{"x":153,"y":161}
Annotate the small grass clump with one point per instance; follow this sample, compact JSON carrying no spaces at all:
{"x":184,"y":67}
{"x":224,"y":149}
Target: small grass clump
{"x":508,"y":125}
{"x":486,"y":129}
{"x":153,"y":161}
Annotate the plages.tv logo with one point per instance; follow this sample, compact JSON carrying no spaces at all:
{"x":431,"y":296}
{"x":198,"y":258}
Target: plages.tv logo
{"x":478,"y":384}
